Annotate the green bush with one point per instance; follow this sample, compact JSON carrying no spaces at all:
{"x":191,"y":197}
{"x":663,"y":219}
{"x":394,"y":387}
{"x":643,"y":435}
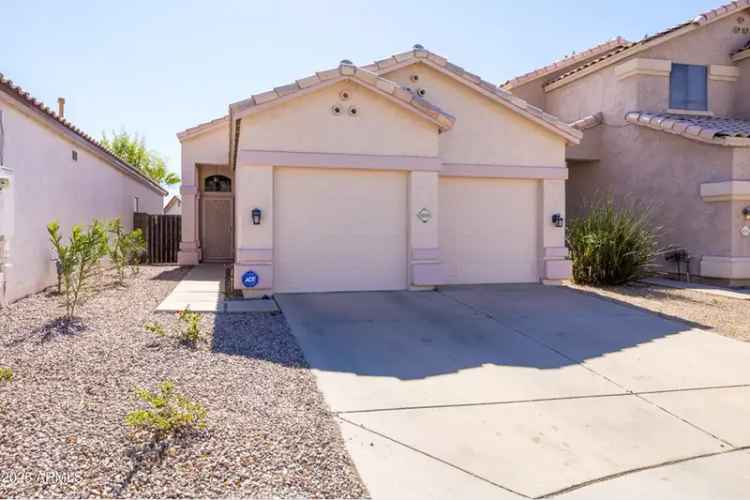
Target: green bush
{"x":77,"y":261}
{"x":613,"y":245}
{"x":6,"y":374}
{"x":156,"y":329}
{"x":168,"y":412}
{"x":125,"y":249}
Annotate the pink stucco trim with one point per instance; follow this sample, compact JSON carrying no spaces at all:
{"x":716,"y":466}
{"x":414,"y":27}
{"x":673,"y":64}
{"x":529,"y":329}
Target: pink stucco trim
{"x":725,"y":267}
{"x":425,"y":253}
{"x":503,"y":171}
{"x":251,"y":255}
{"x":337,"y":160}
{"x":188,"y":190}
{"x":556,"y":253}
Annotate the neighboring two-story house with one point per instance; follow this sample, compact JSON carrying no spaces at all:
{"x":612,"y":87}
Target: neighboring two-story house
{"x":666,"y":121}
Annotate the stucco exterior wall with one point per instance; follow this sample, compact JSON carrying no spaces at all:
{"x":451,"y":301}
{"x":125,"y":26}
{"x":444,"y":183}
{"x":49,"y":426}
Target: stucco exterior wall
{"x":741,"y":100}
{"x":664,"y":171}
{"x":485,"y":132}
{"x":306,"y":124}
{"x":50,"y":185}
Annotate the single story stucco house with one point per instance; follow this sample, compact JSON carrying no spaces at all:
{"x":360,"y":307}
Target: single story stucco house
{"x":51,"y":170}
{"x":407,"y":173}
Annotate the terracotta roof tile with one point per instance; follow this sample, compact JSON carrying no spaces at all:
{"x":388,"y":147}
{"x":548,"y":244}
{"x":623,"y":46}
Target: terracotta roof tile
{"x":566,"y":62}
{"x":701,"y":19}
{"x":25,"y":98}
{"x":202,"y":127}
{"x":710,"y":129}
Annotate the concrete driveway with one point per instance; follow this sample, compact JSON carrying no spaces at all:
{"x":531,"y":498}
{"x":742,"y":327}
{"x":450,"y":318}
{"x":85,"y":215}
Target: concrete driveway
{"x":526,"y":391}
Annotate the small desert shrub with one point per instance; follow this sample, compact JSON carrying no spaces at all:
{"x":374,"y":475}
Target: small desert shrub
{"x":156,"y":329}
{"x":612,"y":245}
{"x":191,"y":334}
{"x":6,"y":374}
{"x":77,"y":261}
{"x":168,"y":413}
{"x":124,"y":249}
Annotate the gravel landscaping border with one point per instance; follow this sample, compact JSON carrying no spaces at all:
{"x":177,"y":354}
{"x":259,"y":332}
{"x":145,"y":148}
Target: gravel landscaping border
{"x":62,"y":430}
{"x":722,"y":315}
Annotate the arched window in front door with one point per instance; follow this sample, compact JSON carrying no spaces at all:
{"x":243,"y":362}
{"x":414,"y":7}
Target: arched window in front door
{"x":217,"y":184}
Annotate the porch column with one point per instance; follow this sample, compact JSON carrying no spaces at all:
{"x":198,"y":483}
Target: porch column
{"x":424,"y":244}
{"x":189,"y":254}
{"x":554,"y":263}
{"x":254,"y":189}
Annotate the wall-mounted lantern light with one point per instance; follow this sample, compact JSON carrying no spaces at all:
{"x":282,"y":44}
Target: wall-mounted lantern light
{"x":558,"y":220}
{"x":746,"y":213}
{"x":255,"y":214}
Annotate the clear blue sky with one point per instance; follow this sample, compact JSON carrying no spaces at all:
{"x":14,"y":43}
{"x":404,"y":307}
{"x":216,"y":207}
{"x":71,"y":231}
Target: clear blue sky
{"x":158,"y":67}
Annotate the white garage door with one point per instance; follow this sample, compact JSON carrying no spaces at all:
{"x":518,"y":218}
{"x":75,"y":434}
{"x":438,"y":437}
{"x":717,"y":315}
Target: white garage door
{"x":339,"y":230}
{"x":489,"y":230}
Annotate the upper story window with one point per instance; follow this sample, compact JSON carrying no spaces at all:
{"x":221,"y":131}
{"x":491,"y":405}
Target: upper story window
{"x":688,"y":87}
{"x":217,"y":184}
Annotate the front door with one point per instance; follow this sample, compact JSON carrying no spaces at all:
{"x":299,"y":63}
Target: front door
{"x":217,"y":217}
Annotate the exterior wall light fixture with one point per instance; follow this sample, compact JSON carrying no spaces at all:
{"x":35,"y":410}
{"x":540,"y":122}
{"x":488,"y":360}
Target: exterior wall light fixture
{"x":255,"y":214}
{"x":746,"y":213}
{"x":558,"y":220}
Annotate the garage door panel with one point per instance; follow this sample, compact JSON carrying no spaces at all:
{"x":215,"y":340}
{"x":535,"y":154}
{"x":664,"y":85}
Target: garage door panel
{"x":489,"y":230}
{"x":339,"y":230}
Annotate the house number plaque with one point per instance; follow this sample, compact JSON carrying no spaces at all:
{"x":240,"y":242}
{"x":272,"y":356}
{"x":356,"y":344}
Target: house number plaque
{"x":745,"y":231}
{"x":424,"y":215}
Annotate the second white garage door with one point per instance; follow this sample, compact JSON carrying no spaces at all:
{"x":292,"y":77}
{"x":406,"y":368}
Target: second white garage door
{"x":489,"y":230}
{"x":339,"y":230}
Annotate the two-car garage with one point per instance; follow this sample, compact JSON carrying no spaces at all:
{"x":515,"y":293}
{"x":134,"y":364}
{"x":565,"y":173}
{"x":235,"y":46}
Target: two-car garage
{"x":347,"y":230}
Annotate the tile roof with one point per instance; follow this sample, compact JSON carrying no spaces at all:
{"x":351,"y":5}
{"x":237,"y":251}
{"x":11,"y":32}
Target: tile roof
{"x":202,"y":127}
{"x":420,"y":55}
{"x":741,"y":53}
{"x":25,"y":98}
{"x":566,"y":62}
{"x":346,"y":70}
{"x":588,"y":122}
{"x":709,"y":129}
{"x":700,"y":20}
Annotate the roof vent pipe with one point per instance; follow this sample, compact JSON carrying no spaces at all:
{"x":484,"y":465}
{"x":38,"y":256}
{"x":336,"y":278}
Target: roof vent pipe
{"x":346,"y":61}
{"x":61,"y":107}
{"x":418,"y":46}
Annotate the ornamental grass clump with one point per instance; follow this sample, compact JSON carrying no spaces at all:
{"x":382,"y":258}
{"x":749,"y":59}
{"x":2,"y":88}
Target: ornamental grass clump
{"x":613,"y":245}
{"x":167,"y":413}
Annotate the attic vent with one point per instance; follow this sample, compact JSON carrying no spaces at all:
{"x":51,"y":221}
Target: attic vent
{"x":336,"y":109}
{"x":422,"y":92}
{"x":414,"y":78}
{"x":74,"y":155}
{"x":344,"y":95}
{"x":353,"y":111}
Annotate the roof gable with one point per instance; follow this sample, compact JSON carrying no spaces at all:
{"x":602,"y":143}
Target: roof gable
{"x":345,"y":72}
{"x":420,"y":55}
{"x":648,"y":42}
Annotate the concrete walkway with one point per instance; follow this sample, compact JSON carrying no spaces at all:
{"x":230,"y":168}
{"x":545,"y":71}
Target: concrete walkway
{"x":202,"y":290}
{"x":525,"y":391}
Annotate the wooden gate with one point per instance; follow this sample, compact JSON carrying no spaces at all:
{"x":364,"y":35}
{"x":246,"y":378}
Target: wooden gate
{"x":162,"y":233}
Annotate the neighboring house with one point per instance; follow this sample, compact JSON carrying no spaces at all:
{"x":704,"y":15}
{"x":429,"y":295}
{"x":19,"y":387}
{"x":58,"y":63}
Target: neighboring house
{"x":51,"y":170}
{"x":667,"y":121}
{"x":173,"y":206}
{"x":407,"y":173}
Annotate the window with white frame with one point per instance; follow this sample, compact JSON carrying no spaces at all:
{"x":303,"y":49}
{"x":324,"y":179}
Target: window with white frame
{"x":688,"y":87}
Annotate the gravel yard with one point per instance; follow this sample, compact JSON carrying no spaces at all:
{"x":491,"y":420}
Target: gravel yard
{"x":269,"y":431}
{"x":728,"y":317}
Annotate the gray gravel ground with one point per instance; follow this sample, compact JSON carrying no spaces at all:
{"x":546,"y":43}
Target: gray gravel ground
{"x":269,"y":432}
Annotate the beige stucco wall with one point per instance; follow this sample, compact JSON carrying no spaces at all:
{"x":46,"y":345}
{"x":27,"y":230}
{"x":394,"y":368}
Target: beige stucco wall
{"x":485,"y":132}
{"x":306,"y":124}
{"x":49,"y":185}
{"x":741,"y":100}
{"x":656,"y":167}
